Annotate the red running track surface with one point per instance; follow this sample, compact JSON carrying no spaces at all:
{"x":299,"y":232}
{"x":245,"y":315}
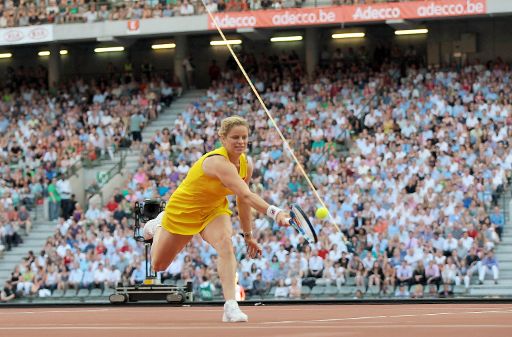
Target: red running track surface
{"x":411,"y":320}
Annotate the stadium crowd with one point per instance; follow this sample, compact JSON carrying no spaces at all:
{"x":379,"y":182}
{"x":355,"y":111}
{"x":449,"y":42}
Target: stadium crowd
{"x":44,"y":132}
{"x":410,"y":161}
{"x":30,"y":12}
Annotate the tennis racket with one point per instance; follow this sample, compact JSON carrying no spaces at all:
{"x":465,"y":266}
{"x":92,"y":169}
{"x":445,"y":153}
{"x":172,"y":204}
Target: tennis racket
{"x":300,"y":221}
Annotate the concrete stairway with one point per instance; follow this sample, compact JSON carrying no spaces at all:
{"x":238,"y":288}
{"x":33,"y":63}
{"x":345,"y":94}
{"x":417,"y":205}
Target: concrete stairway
{"x":41,"y":230}
{"x":504,"y":257}
{"x":166,"y":119}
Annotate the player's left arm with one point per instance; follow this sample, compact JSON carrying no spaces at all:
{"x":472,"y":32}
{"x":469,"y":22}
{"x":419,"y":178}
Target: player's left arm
{"x":244,"y":213}
{"x":244,"y":208}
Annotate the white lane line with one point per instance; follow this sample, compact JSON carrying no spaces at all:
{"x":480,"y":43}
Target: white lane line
{"x":392,"y":316}
{"x":50,"y":311}
{"x":249,"y":327}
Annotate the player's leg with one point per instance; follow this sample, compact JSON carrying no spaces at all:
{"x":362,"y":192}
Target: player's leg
{"x":165,"y":247}
{"x":151,"y":226}
{"x":218,"y":234}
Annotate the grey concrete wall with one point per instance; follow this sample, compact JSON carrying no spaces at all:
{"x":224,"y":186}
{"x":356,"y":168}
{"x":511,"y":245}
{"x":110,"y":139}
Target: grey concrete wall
{"x":117,"y":181}
{"x":77,"y":182}
{"x":492,"y":37}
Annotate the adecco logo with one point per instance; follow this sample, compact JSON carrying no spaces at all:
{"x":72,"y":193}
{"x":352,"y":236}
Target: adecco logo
{"x":288,"y":18}
{"x":38,"y":33}
{"x":232,"y":22}
{"x":13,"y":35}
{"x":371,"y":13}
{"x":451,"y":9}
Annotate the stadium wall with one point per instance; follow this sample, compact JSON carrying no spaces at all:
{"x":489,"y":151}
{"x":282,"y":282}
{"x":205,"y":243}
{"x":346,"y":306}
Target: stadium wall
{"x":438,"y":47}
{"x":492,"y":38}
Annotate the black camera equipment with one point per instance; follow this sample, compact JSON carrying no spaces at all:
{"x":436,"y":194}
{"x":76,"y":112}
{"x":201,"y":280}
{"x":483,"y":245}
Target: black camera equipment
{"x":149,"y":290}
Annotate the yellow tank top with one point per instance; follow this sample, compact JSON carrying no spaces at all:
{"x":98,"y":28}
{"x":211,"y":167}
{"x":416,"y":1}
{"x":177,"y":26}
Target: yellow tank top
{"x":199,"y":198}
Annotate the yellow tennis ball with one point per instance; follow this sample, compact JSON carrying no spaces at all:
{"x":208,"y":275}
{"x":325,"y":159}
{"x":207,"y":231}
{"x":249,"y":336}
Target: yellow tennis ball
{"x":321,"y":213}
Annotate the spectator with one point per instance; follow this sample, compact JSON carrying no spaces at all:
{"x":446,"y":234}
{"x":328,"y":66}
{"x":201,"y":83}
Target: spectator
{"x":418,"y":291}
{"x":136,"y":125}
{"x":281,"y":290}
{"x":206,"y":289}
{"x":259,"y":287}
{"x":8,"y":293}
{"x":315,"y":265}
{"x":404,"y":274}
{"x":295,"y":290}
{"x":449,"y":275}
{"x":186,"y":8}
{"x":498,"y":219}
{"x":433,"y":274}
{"x":488,"y":264}
{"x":64,"y":191}
{"x":24,"y":219}
{"x":402,"y":292}
{"x":375,"y":275}
{"x":418,"y":275}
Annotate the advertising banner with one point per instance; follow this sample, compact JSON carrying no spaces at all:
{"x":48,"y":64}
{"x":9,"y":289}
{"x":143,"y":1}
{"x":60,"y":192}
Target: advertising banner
{"x":133,"y":26}
{"x":24,"y":35}
{"x":348,"y":14}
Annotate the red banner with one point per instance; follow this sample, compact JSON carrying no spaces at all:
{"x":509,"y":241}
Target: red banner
{"x":346,"y":14}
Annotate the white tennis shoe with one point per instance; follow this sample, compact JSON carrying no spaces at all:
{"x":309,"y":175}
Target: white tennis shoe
{"x":151,"y":226}
{"x":232,"y":313}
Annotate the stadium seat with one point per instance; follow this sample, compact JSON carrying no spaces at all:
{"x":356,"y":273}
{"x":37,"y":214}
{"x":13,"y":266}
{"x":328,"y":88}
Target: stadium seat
{"x":58,"y":293}
{"x":350,"y":281}
{"x":272,"y":291}
{"x":305,"y":291}
{"x":83,"y":293}
{"x":96,"y":292}
{"x":373,"y":291}
{"x":331,"y":291}
{"x":108,"y":291}
{"x":70,"y":293}
{"x":345,"y":291}
{"x":460,"y":290}
{"x":170,"y":282}
{"x":317,"y":291}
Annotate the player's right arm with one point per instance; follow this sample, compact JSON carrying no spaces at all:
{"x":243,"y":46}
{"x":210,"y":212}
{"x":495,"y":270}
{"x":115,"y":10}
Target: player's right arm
{"x":219,"y":167}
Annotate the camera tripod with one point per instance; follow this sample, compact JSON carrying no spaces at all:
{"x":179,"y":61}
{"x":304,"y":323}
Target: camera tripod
{"x":149,"y":290}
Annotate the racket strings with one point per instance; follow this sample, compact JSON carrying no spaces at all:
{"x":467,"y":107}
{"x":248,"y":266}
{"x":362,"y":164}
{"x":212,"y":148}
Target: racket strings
{"x":286,"y":143}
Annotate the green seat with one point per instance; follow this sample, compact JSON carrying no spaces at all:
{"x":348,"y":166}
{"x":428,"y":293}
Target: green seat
{"x":351,"y":281}
{"x":70,"y":293}
{"x":83,"y":293}
{"x":373,"y":291}
{"x":317,"y":291}
{"x":363,"y":289}
{"x":305,"y":290}
{"x":170,"y":282}
{"x":346,"y":291}
{"x":331,"y":291}
{"x":96,"y":292}
{"x":108,"y":291}
{"x":58,"y":293}
{"x":459,"y":289}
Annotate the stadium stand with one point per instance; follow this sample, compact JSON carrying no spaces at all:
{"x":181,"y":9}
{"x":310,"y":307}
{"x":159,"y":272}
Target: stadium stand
{"x":411,"y":160}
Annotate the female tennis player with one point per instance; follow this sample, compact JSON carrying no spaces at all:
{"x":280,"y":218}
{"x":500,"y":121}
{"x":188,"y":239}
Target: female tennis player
{"x":199,"y":206}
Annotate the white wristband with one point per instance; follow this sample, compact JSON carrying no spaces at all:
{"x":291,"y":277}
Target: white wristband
{"x":273,"y":211}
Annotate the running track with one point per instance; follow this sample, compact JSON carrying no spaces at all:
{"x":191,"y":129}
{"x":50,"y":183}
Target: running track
{"x":411,"y":320}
